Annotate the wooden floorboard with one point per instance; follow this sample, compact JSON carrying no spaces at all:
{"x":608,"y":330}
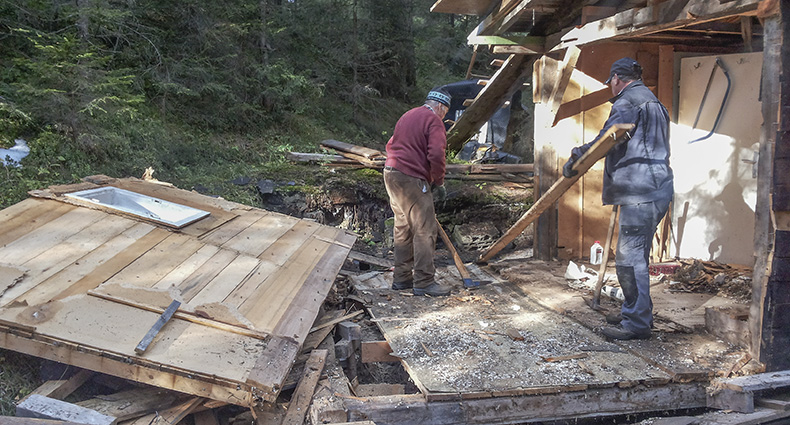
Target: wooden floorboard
{"x":157,"y":262}
{"x":272,"y":302}
{"x":226,"y":281}
{"x":298,"y":319}
{"x":105,"y":268}
{"x":261,"y":234}
{"x":48,"y":235}
{"x":229,"y":229}
{"x":187,"y":268}
{"x":59,"y":257}
{"x":206,"y":273}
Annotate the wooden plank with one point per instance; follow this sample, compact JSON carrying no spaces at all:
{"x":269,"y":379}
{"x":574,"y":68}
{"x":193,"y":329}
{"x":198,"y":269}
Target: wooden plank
{"x":196,"y":317}
{"x":223,"y":233}
{"x":377,"y":351}
{"x":157,"y":262}
{"x":309,"y":298}
{"x":354,"y":149}
{"x":280,"y":251}
{"x":758,"y":382}
{"x":48,"y":235}
{"x":226,"y":281}
{"x":300,"y":400}
{"x":201,"y":277}
{"x":504,"y":81}
{"x":272,"y":300}
{"x":62,"y":388}
{"x":154,"y":331}
{"x":561,"y":83}
{"x":90,"y":270}
{"x":131,"y":404}
{"x":572,"y":406}
{"x":369,"y":259}
{"x":272,"y":367}
{"x":38,"y":406}
{"x":186,"y":269}
{"x":582,"y":104}
{"x":671,"y":15}
{"x":170,"y":416}
{"x":68,"y":251}
{"x":28,"y":215}
{"x":596,"y":152}
{"x":262,"y":233}
{"x":15,"y":420}
{"x":122,"y":366}
{"x":727,"y":399}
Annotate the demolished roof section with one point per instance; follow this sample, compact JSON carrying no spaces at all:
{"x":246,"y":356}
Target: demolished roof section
{"x":88,"y":283}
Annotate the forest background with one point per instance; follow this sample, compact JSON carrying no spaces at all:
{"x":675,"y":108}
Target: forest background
{"x":205,"y":91}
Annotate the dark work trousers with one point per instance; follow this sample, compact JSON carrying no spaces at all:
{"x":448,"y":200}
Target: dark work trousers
{"x":638,"y":224}
{"x":415,"y":229}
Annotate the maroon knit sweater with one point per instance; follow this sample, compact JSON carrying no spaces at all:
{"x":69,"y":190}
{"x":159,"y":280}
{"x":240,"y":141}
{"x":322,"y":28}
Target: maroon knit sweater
{"x":417,"y":146}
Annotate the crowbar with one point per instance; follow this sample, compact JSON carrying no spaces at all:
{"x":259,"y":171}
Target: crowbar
{"x":467,"y":278}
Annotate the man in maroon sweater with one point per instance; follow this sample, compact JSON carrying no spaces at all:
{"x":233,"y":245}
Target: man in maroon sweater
{"x":415,"y":165}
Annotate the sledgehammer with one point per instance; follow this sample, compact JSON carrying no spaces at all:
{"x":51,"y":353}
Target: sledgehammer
{"x":468,"y":282}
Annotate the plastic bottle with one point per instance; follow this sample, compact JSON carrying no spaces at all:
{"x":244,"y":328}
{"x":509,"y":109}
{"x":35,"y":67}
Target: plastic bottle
{"x":596,"y":253}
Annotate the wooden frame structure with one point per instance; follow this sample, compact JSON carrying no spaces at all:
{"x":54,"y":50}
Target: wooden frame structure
{"x":652,"y":31}
{"x":82,"y":285}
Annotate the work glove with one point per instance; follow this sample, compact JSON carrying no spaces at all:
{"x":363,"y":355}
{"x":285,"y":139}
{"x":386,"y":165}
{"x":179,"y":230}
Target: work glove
{"x":567,"y":169}
{"x":439,"y":193}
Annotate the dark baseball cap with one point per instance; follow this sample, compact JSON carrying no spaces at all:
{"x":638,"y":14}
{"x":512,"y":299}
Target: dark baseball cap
{"x":625,"y":67}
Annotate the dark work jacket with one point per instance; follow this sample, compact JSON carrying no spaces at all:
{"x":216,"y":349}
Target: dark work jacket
{"x":637,"y":169}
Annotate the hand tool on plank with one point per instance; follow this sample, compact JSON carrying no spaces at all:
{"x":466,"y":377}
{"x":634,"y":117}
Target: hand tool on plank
{"x":459,"y":264}
{"x":595,"y":304}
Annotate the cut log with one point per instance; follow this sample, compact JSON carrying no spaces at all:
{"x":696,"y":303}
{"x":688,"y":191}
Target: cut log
{"x":352,"y":149}
{"x":611,"y":138}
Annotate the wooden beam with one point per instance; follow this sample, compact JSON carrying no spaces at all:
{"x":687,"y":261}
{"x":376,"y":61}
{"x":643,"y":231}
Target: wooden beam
{"x":582,"y":104}
{"x":670,"y":15}
{"x":598,"y":150}
{"x":169,"y":416}
{"x":568,"y":64}
{"x":516,"y":50}
{"x":62,"y":388}
{"x":574,"y":405}
{"x":488,"y":100}
{"x":531,"y":42}
{"x":38,"y":406}
{"x":300,"y":400}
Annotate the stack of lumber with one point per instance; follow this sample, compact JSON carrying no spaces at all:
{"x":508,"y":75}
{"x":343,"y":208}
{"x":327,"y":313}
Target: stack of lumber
{"x":352,"y":156}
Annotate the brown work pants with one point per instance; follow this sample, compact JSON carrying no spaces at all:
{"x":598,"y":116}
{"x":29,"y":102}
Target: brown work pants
{"x":415,"y":229}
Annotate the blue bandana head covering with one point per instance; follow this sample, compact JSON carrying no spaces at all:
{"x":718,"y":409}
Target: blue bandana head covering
{"x":440,"y":95}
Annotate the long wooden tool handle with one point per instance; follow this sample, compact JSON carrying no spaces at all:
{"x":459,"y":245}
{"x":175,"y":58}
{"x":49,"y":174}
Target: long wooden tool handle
{"x":456,"y":258}
{"x":605,"y":259}
{"x":598,"y":150}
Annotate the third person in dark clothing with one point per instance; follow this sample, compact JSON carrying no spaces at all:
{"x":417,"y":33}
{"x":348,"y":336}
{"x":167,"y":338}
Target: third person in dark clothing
{"x":638,"y":178}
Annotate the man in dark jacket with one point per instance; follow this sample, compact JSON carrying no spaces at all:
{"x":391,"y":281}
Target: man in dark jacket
{"x":415,"y":165}
{"x":638,"y":178}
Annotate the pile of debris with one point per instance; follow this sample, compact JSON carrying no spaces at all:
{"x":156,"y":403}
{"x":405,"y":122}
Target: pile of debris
{"x":711,"y":277}
{"x":352,"y":156}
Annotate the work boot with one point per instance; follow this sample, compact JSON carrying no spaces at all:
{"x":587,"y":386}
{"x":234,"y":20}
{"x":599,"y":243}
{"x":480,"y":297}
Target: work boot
{"x":614,"y":318}
{"x":434,"y":290}
{"x":624,"y":334}
{"x":399,"y":286}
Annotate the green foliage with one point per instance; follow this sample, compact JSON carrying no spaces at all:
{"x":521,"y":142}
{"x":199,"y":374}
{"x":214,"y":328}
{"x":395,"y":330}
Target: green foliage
{"x":18,"y":378}
{"x":207,"y":91}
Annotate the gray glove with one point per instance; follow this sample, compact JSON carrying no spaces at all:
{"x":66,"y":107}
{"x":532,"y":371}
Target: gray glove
{"x":439,"y":193}
{"x":567,"y":169}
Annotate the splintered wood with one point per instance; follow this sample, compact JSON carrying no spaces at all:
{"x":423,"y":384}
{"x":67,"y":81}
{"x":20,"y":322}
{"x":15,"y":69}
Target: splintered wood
{"x":728,"y":280}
